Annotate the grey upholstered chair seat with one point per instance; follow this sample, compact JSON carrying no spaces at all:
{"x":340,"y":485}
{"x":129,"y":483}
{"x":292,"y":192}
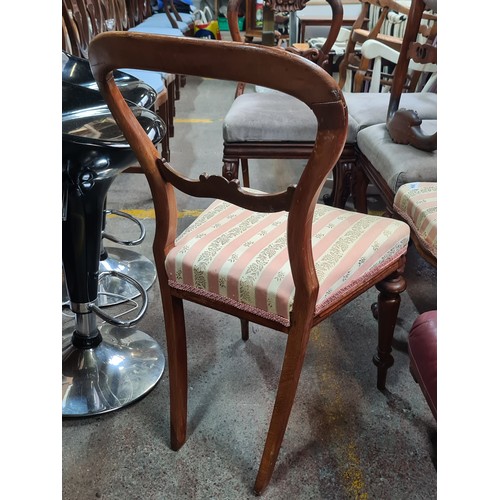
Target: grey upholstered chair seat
{"x":273,"y":117}
{"x":398,"y":164}
{"x":366,"y":109}
{"x":269,"y":117}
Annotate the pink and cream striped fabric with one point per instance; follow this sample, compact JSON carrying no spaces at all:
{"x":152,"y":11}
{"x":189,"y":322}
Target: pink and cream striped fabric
{"x":416,"y":203}
{"x":240,"y":257}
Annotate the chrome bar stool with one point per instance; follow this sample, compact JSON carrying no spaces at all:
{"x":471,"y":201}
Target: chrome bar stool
{"x":103,"y":367}
{"x":112,"y":289}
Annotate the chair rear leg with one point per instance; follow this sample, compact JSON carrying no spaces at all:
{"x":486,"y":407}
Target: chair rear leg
{"x":177,"y":367}
{"x":244,"y":329}
{"x":387,"y":307}
{"x":298,"y":337}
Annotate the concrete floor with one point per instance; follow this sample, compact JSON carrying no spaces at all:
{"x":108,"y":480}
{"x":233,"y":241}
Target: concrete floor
{"x":345,"y":439}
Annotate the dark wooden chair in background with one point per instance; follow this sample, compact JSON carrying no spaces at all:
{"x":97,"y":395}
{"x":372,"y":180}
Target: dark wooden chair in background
{"x":270,"y":125}
{"x":368,"y":26}
{"x":402,"y":150}
{"x":302,"y":272}
{"x":384,"y":21}
{"x":264,"y":125}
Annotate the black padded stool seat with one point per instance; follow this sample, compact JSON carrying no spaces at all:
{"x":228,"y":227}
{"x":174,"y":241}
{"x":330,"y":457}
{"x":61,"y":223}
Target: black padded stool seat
{"x":422,"y":348}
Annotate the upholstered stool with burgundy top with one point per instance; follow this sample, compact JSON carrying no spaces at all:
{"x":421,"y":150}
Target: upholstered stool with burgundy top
{"x":422,"y":348}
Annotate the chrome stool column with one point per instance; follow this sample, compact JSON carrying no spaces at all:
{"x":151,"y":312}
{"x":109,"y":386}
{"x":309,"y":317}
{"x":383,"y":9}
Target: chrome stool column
{"x":108,"y":367}
{"x":112,"y":289}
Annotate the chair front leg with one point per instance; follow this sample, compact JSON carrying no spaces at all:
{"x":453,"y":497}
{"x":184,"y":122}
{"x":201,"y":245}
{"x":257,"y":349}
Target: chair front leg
{"x":388,"y":303}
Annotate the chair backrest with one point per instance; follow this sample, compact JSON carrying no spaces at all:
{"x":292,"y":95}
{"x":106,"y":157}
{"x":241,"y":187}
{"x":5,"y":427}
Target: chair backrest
{"x":404,"y":125}
{"x":318,"y":55}
{"x":242,"y":62}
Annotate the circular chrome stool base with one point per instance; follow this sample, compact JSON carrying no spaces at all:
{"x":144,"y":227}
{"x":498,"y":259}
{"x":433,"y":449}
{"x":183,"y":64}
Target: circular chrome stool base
{"x":113,"y":290}
{"x":124,"y":367}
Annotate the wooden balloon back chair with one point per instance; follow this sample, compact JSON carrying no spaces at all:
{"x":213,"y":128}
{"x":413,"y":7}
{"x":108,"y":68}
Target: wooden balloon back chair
{"x":239,"y":150}
{"x":276,"y":259}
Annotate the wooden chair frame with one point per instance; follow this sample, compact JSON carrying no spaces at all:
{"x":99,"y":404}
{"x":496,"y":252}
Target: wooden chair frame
{"x":260,"y":66}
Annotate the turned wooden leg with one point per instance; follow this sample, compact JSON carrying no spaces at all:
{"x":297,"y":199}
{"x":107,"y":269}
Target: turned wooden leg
{"x":230,"y":169}
{"x":244,"y":329}
{"x":387,"y":308}
{"x":287,"y":388}
{"x":177,"y":368}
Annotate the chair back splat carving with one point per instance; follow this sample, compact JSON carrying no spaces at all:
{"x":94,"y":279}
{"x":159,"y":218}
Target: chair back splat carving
{"x":314,"y":275}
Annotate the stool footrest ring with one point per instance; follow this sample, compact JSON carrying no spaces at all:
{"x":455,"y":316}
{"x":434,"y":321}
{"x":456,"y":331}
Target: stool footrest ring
{"x":129,"y":217}
{"x":112,"y":320}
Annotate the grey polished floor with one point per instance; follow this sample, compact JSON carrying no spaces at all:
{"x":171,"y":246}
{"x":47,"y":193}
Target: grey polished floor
{"x":345,"y":439}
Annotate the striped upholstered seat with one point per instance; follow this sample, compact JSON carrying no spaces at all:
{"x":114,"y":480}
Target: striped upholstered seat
{"x":240,"y":257}
{"x":416,"y":203}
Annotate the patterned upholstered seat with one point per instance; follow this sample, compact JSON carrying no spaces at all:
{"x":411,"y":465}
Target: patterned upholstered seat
{"x":238,"y":256}
{"x":416,"y":203}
